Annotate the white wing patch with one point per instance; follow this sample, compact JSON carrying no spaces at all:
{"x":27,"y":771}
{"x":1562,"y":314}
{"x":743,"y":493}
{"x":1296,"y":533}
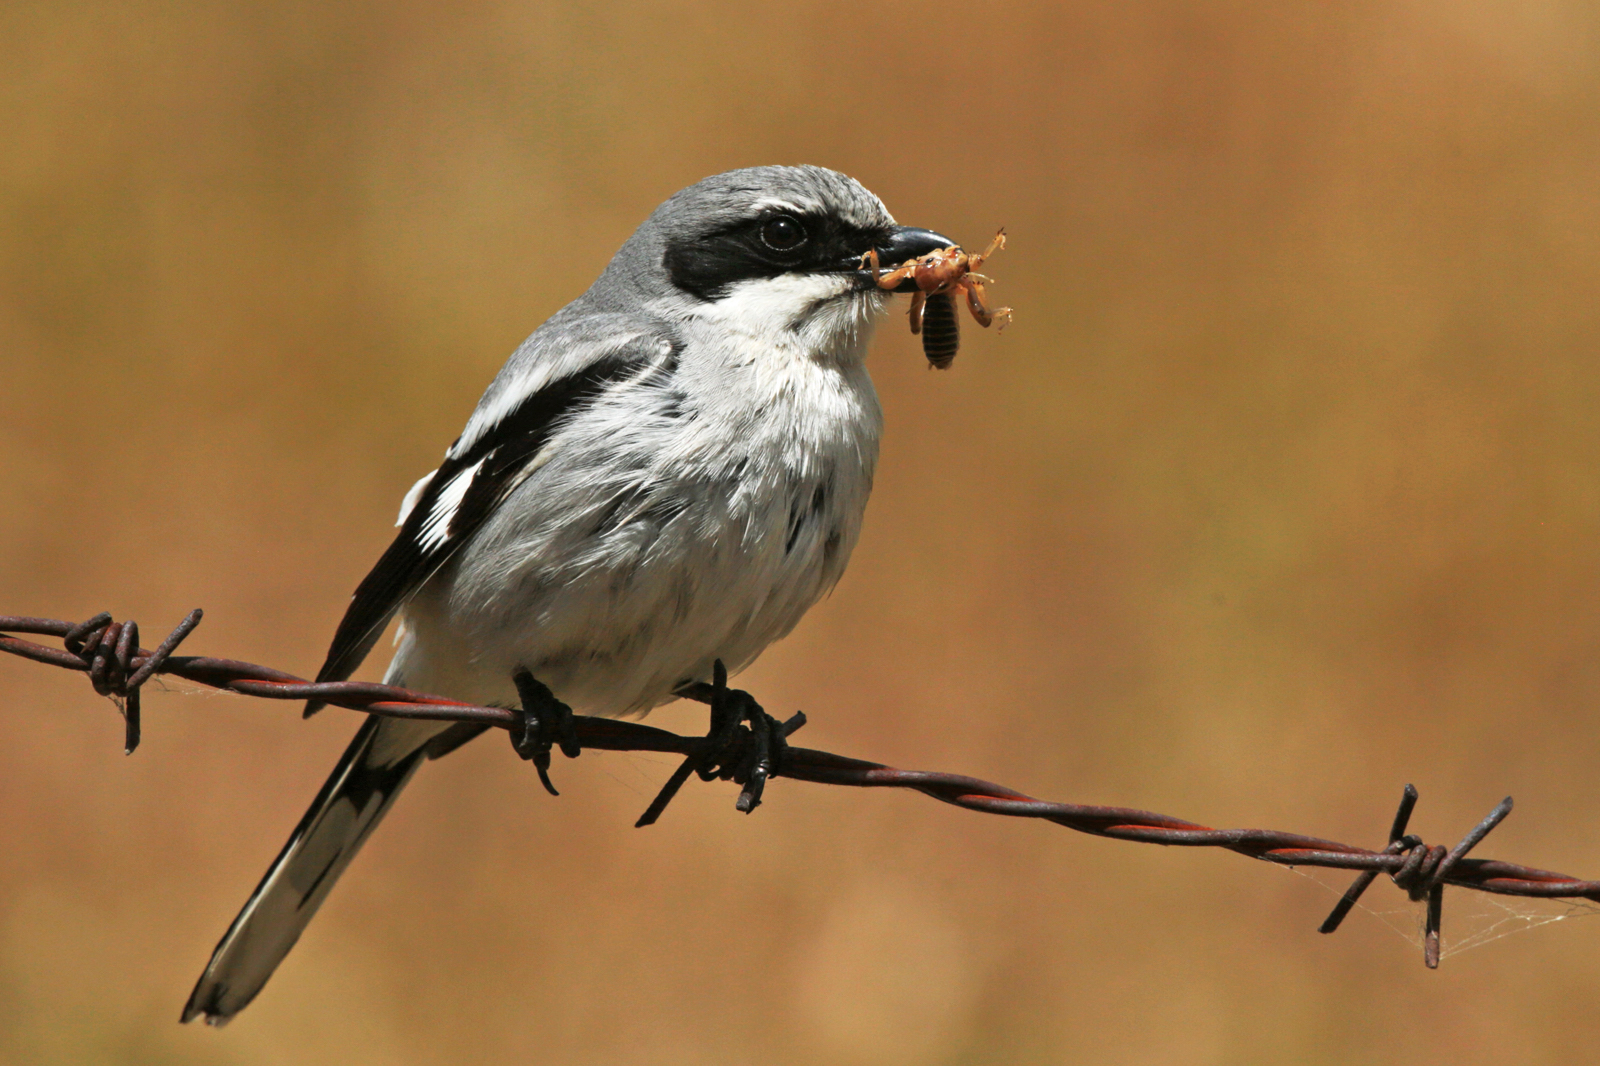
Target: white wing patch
{"x":411,"y":497}
{"x":436,"y":530}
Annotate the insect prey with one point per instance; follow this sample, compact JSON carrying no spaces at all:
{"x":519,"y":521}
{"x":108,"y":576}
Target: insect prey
{"x":941,"y":277}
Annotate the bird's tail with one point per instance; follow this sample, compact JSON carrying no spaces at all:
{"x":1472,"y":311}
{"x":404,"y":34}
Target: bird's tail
{"x":374,"y":768}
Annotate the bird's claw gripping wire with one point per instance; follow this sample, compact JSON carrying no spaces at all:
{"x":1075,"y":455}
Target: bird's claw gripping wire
{"x":546,"y":722}
{"x":1422,"y":875}
{"x":744,"y":744}
{"x":117,"y":666}
{"x":824,"y":768}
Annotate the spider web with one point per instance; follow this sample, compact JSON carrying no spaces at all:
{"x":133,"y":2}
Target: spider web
{"x":1471,"y":920}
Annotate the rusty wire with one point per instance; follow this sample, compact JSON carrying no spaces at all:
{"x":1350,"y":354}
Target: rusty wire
{"x":117,"y":666}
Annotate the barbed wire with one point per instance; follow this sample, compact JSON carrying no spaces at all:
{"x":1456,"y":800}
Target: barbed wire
{"x":746,"y":745}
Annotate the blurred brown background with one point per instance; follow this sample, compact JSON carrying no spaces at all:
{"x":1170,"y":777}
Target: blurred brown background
{"x":1283,"y":490}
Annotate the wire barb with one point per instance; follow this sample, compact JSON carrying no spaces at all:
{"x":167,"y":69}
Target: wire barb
{"x":1422,"y":873}
{"x":109,"y":650}
{"x":747,"y":745}
{"x":1363,"y":881}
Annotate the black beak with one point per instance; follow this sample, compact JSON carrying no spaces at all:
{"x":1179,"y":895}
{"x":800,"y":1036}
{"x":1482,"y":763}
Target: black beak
{"x":904,"y":244}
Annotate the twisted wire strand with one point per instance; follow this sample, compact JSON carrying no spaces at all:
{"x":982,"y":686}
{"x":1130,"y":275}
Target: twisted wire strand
{"x":110,"y":654}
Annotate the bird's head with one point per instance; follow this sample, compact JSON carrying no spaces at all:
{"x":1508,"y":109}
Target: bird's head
{"x":773,"y":250}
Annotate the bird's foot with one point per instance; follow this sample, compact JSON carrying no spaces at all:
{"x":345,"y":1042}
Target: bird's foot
{"x":744,"y":744}
{"x":546,"y":722}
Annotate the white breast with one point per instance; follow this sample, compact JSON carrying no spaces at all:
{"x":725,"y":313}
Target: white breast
{"x":694,"y":519}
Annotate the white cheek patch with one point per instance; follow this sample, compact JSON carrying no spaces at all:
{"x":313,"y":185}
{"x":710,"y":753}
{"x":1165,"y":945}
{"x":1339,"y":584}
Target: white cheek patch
{"x":761,"y":305}
{"x":822,"y":314}
{"x":845,"y":324}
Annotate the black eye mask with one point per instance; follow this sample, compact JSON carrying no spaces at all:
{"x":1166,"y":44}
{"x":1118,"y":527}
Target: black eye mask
{"x":709,"y":265}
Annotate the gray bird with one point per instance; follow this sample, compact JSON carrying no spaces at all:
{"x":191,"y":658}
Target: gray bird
{"x":668,"y":472}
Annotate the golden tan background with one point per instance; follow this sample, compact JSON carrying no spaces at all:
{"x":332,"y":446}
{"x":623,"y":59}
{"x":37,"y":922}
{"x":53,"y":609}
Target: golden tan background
{"x":1283,"y":490}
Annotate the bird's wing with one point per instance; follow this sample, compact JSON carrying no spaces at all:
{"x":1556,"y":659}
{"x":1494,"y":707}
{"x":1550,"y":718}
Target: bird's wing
{"x":553,"y":376}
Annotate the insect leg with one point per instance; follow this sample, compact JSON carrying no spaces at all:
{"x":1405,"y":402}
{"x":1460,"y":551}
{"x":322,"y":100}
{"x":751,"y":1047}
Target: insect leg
{"x":977,"y":300}
{"x":999,"y":242}
{"x":918,"y":299}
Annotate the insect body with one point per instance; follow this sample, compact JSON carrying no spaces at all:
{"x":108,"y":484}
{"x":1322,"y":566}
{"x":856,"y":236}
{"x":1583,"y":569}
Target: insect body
{"x":941,"y":330}
{"x":940,"y":277}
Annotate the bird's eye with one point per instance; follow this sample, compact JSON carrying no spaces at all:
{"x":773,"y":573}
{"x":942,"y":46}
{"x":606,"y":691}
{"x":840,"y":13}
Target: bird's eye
{"x":783,"y":234}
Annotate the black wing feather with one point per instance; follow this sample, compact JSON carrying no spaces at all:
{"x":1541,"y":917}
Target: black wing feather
{"x":504,"y":452}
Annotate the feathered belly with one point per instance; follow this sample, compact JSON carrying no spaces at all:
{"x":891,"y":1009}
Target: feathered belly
{"x":627,"y":594}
